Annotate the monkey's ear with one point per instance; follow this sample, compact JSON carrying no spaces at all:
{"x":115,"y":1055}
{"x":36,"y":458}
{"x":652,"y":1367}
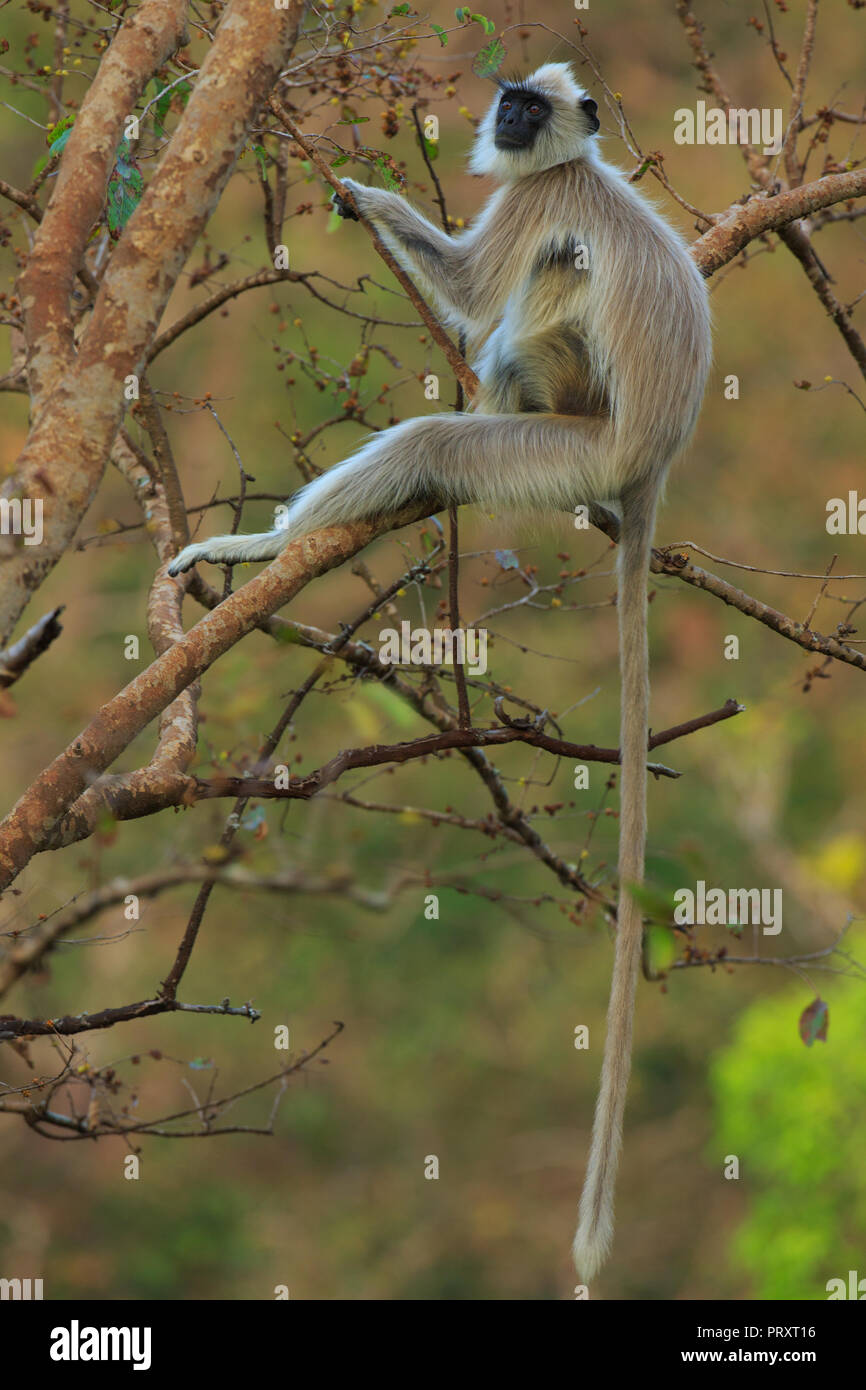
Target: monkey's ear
{"x":589,"y":108}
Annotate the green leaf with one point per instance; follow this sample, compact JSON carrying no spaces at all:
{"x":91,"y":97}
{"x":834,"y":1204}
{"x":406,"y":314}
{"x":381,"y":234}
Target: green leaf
{"x":462,"y":14}
{"x":334,"y":222}
{"x":55,"y":131}
{"x":440,"y":34}
{"x":158,"y":126}
{"x":341,"y":159}
{"x":125,"y":187}
{"x":432,"y":149}
{"x":490,"y":59}
{"x":387,"y":175}
{"x":661,"y":948}
{"x":261,"y":155}
{"x":653,"y":902}
{"x":486,"y":24}
{"x":399,"y":9}
{"x":55,"y":138}
{"x":59,"y":144}
{"x":183,"y":90}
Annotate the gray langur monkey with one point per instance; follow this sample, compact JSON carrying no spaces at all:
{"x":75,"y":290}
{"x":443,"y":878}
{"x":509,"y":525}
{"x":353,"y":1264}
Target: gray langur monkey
{"x":588,"y":326}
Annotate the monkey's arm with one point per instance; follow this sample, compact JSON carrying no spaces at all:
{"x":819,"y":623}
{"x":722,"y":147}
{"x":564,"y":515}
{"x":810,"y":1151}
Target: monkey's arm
{"x":442,"y":261}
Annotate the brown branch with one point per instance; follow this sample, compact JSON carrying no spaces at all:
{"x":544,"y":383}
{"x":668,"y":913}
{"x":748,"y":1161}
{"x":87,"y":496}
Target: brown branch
{"x":489,"y":826}
{"x":12,"y":1027}
{"x":465,"y":717}
{"x":794,"y":237}
{"x":743,"y":222}
{"x":166,"y":466}
{"x":71,"y":439}
{"x":701,"y":721}
{"x":232,"y":825}
{"x":787,"y":627}
{"x":834,"y":114}
{"x":164,"y":781}
{"x":800,"y":246}
{"x":362,"y":659}
{"x":30,"y":205}
{"x":33,"y":945}
{"x":712,"y":83}
{"x":510,"y":817}
{"x":37,"y":1113}
{"x":21,"y":199}
{"x":425,"y":155}
{"x":795,"y":115}
{"x":220,"y":297}
{"x":679,"y":567}
{"x":27,"y":828}
{"x":455,"y":360}
{"x":303,"y":788}
{"x":140,"y":46}
{"x":60,"y":30}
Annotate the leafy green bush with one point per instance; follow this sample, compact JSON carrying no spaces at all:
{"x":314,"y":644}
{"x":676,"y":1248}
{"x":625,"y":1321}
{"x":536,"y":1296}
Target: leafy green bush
{"x":795,"y":1117}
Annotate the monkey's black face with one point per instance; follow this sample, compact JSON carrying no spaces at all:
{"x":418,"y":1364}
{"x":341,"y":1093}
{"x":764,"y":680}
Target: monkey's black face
{"x":521,"y":115}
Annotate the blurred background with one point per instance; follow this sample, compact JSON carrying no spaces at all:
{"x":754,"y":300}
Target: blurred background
{"x":459,"y":1036}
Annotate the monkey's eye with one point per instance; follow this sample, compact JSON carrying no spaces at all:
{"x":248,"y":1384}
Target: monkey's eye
{"x":534,"y":109}
{"x":505,"y":105}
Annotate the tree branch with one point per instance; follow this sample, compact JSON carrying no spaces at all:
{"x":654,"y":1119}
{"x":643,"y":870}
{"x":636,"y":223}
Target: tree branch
{"x":456,"y":361}
{"x":64,"y":458}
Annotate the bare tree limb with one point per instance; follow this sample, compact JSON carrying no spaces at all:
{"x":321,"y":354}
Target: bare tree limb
{"x":64,"y":458}
{"x":376,"y":755}
{"x":141,"y":45}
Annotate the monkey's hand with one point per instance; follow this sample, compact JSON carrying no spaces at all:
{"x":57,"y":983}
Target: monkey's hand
{"x":342,"y":209}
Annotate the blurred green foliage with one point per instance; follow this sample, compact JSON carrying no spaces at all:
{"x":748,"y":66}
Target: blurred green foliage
{"x":795,"y":1118}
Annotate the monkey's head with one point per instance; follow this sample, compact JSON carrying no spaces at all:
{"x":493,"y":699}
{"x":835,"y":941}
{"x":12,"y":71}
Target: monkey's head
{"x":543,"y":120}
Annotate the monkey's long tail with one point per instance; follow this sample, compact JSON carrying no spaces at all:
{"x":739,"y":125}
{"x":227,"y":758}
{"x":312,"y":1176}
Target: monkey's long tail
{"x":595,"y":1227}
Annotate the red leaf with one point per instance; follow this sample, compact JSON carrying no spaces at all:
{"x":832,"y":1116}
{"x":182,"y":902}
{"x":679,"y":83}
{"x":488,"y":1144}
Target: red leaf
{"x":813,"y":1022}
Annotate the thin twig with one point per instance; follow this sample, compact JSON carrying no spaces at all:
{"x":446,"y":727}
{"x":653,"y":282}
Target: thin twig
{"x":456,"y":362}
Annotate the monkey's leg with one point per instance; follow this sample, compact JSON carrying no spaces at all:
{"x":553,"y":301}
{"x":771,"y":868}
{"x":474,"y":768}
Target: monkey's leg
{"x":520,"y":462}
